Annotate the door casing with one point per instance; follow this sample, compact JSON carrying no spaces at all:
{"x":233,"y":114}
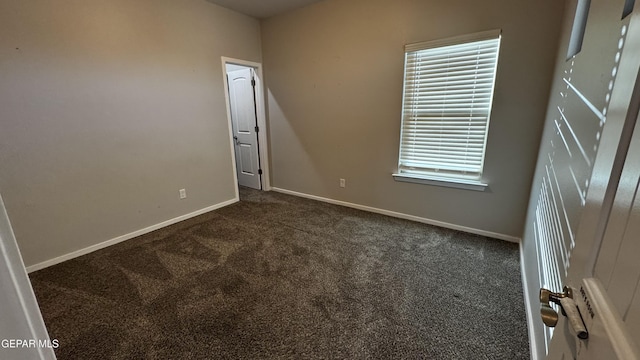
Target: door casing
{"x":261,"y":118}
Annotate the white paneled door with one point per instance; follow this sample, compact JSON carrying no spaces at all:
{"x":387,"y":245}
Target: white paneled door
{"x":605,"y":273}
{"x":245,"y":129}
{"x":587,"y":218}
{"x":583,"y":224}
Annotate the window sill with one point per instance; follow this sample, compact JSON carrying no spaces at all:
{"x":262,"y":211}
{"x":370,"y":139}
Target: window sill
{"x":445,"y":182}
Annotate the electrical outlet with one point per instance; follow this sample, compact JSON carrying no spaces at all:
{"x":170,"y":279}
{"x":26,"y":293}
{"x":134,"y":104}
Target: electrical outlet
{"x":343,"y":183}
{"x":183,"y":193}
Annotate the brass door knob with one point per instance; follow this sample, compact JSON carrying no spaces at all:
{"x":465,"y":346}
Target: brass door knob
{"x":549,"y":316}
{"x":568,"y":307}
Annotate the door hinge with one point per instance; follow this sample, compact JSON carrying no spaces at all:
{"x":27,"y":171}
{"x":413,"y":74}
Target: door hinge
{"x":259,"y":171}
{"x":253,"y":82}
{"x":257,"y":129}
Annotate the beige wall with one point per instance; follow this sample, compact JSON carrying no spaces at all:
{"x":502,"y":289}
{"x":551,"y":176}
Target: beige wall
{"x":334,"y":76}
{"x":107,"y":108}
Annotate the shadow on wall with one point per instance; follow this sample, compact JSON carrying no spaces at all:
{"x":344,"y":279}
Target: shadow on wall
{"x":288,"y":136}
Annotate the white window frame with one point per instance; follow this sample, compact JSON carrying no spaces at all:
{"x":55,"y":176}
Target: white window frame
{"x":430,"y":173}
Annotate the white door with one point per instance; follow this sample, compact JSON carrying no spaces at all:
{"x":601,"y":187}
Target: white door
{"x":605,"y":274}
{"x":570,"y":226}
{"x":20,"y":318}
{"x":245,"y":128}
{"x":603,"y":269}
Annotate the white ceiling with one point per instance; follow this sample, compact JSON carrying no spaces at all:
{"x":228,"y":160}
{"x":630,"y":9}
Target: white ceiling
{"x":262,"y":8}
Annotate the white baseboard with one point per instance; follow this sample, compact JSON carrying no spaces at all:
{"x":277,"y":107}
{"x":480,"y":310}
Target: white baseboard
{"x":128,"y":236}
{"x":532,"y":314}
{"x":402,"y":216}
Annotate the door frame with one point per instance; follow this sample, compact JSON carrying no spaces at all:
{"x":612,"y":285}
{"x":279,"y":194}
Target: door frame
{"x":20,"y":306}
{"x":263,"y":143}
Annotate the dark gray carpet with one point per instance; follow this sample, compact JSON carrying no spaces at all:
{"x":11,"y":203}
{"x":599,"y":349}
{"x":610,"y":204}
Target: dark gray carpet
{"x":276,"y":276}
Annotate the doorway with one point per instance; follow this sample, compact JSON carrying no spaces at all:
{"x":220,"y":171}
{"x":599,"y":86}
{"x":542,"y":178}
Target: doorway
{"x":244,"y":96}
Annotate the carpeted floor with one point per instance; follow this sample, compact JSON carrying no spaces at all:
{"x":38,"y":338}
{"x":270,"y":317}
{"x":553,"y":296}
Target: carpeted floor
{"x":276,"y":276}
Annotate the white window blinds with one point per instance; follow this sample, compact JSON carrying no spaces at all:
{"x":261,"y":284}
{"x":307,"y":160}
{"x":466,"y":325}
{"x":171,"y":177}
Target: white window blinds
{"x":448,"y":88}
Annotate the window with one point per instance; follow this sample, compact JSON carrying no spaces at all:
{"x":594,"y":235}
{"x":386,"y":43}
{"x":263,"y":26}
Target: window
{"x":448,"y":90}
